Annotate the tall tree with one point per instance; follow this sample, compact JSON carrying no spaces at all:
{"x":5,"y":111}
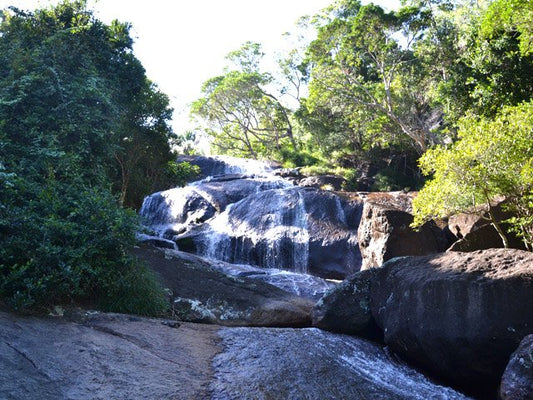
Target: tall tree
{"x":69,"y":88}
{"x":363,"y":63}
{"x":242,"y":115}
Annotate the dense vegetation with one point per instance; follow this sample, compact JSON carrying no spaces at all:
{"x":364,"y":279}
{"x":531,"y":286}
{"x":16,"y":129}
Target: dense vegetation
{"x":82,"y":132}
{"x":448,"y":80}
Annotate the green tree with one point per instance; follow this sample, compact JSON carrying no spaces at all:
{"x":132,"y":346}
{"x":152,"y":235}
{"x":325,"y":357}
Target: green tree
{"x":363,"y":67}
{"x":242,"y":115}
{"x":492,"y":158}
{"x":68,"y":87}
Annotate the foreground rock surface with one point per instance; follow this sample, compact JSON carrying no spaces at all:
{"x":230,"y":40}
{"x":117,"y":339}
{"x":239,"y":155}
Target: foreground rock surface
{"x":199,"y":293}
{"x":460,"y":315}
{"x":90,"y":355}
{"x":104,"y":356}
{"x":279,"y":364}
{"x":517,"y":381}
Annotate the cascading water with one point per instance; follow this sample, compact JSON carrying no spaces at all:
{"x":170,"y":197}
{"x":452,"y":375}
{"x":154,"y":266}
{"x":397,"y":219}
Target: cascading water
{"x":252,"y":216}
{"x":271,"y":232}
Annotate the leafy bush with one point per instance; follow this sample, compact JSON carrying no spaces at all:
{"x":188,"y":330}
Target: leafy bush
{"x":63,"y":243}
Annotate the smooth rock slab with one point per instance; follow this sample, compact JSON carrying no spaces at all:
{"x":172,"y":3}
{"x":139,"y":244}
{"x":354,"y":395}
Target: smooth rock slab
{"x":104,"y":356}
{"x":294,"y":364}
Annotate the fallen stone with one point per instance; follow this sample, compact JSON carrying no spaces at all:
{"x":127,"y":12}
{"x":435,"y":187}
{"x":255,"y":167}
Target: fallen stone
{"x":517,"y":380}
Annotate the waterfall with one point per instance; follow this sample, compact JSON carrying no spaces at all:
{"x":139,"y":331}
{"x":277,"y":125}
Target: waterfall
{"x":252,"y":216}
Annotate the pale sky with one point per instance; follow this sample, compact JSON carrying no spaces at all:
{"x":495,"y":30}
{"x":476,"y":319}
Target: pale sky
{"x":182,"y":43}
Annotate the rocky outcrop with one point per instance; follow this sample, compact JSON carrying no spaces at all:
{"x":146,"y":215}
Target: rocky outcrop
{"x":199,"y":293}
{"x":476,"y":232}
{"x":326,"y":182}
{"x":174,"y":211}
{"x":90,"y":355}
{"x":517,"y":380}
{"x":385,"y":231}
{"x":459,"y":315}
{"x":346,"y":307}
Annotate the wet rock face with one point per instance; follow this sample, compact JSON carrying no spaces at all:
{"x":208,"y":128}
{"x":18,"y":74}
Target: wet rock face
{"x":173,"y":211}
{"x":266,"y":364}
{"x":199,"y":293}
{"x":459,"y":315}
{"x":304,"y":230}
{"x":385,"y":233}
{"x":517,"y":380}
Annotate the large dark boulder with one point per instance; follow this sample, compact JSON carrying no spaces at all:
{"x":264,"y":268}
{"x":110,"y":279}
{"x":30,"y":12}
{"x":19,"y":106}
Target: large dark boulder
{"x":346,"y":307}
{"x":459,"y":315}
{"x":385,"y":231}
{"x":200,"y":293}
{"x":517,"y":380}
{"x":476,"y":232}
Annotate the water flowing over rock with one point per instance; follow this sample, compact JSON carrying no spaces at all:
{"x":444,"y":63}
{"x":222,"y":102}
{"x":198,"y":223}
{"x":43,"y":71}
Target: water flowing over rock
{"x":303,"y":230}
{"x":459,"y":315}
{"x":260,"y":219}
{"x":266,"y":364}
{"x":200,"y":293}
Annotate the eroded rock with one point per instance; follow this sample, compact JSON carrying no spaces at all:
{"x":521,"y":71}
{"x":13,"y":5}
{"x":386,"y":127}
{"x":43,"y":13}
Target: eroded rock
{"x":200,"y":293}
{"x":385,"y":231}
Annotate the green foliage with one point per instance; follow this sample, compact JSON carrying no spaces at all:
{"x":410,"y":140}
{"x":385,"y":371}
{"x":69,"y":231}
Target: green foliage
{"x":74,"y":104}
{"x":242,"y":117}
{"x":493,"y":157}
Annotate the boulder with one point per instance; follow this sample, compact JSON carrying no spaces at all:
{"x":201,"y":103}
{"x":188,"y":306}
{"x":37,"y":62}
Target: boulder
{"x":459,"y":315}
{"x":174,"y":211}
{"x":385,"y":231}
{"x":346,"y":307}
{"x":200,"y":293}
{"x":485,"y":237}
{"x":329,"y":182}
{"x":476,"y":232}
{"x":517,"y":380}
